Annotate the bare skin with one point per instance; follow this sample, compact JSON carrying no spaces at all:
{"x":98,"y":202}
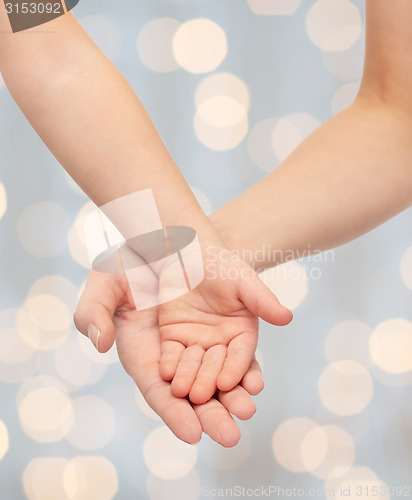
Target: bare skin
{"x":351,"y":175}
{"x":217,"y":330}
{"x":106,"y":141}
{"x":348,"y":177}
{"x":107,"y":302}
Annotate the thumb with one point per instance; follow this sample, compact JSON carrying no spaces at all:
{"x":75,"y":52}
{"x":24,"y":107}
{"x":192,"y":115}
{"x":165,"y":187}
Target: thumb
{"x":262,"y":302}
{"x":95,"y":322}
{"x":95,"y":310}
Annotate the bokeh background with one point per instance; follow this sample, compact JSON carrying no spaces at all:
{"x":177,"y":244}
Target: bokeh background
{"x":233,"y":87}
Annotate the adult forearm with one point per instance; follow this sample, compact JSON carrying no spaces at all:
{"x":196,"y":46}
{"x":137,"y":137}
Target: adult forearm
{"x":92,"y":121}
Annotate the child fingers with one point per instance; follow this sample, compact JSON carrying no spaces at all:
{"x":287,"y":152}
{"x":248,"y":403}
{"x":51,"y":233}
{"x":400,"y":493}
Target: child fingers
{"x":240,"y":353}
{"x":253,"y":379}
{"x":186,"y":371}
{"x":238,"y":402}
{"x":169,"y":360}
{"x":205,"y":384}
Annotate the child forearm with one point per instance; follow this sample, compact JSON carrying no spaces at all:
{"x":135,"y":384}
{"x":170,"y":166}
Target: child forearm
{"x":354,"y":172}
{"x":348,"y":177}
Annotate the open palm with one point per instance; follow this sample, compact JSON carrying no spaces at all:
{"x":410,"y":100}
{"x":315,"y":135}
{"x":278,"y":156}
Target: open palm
{"x":107,"y":303}
{"x":209,"y":336}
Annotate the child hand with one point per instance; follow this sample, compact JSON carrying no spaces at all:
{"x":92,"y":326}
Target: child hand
{"x":209,"y":336}
{"x":107,"y":303}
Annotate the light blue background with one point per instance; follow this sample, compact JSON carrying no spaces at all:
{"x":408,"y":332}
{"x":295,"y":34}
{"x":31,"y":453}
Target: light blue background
{"x":285,"y":73}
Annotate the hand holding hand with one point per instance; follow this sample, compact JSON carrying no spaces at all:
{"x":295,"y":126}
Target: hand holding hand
{"x":209,"y":336}
{"x":107,"y":304}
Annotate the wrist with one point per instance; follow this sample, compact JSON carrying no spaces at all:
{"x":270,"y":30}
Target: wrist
{"x":226,"y":230}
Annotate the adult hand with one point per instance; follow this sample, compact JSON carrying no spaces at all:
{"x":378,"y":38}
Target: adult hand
{"x":106,"y":312}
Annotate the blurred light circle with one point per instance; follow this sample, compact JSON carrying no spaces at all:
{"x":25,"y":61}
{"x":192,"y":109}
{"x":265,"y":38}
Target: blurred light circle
{"x":155,"y":44}
{"x":287,"y":443}
{"x":203,"y":200}
{"x":94,"y":423}
{"x":187,"y":488}
{"x":166,"y":456}
{"x":225,"y":459}
{"x":221,"y":111}
{"x":349,"y":340}
{"x":260,"y":145}
{"x":346,"y":65}
{"x":334,"y":25}
{"x":314,"y":448}
{"x":391,"y":346}
{"x":344,"y":97}
{"x":345,"y":387}
{"x":290,"y":131}
{"x":4,"y":439}
{"x":222,"y":102}
{"x":45,"y":319}
{"x":13,"y":349}
{"x":42,"y":229}
{"x":274,"y":7}
{"x":288,"y":282}
{"x":43,"y":478}
{"x":223,"y":84}
{"x":39,"y":382}
{"x":220,"y":138}
{"x":76,"y":238}
{"x":74,"y":366}
{"x":17,"y":372}
{"x":3,"y":197}
{"x":340,"y":452}
{"x":90,"y":477}
{"x":8,"y":317}
{"x":48,"y":312}
{"x":356,"y":426}
{"x":17,"y":362}
{"x":286,"y":137}
{"x":105,"y":33}
{"x":46,"y":414}
{"x":144,"y":407}
{"x":35,"y":335}
{"x":406,"y":268}
{"x":58,"y":286}
{"x":78,"y":249}
{"x":199,"y":45}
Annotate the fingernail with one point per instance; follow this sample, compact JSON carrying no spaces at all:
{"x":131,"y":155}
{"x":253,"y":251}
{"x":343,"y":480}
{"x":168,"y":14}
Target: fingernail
{"x":94,"y":335}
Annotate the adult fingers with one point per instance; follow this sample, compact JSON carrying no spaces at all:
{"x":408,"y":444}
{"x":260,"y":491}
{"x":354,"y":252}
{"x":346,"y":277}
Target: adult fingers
{"x":97,"y":304}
